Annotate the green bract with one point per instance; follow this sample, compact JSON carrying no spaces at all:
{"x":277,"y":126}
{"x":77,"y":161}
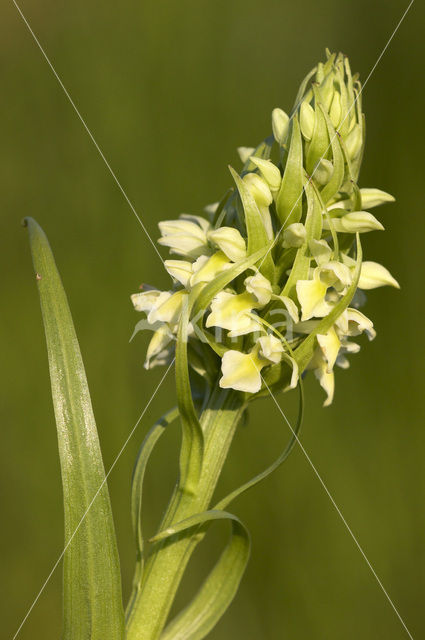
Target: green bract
{"x":297,"y":198}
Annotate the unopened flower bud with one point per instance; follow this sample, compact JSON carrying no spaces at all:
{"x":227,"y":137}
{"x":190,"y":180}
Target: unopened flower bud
{"x":307,"y":120}
{"x":259,"y":189}
{"x":269,"y":171}
{"x":360,"y":222}
{"x":230,"y":241}
{"x":245,"y":153}
{"x":327,"y":90}
{"x":280,"y":124}
{"x":323,"y":171}
{"x":335,"y":111}
{"x":354,"y":222}
{"x":374,"y":197}
{"x":375,"y":275}
{"x":354,"y":141}
{"x":186,"y":236}
{"x":294,"y":235}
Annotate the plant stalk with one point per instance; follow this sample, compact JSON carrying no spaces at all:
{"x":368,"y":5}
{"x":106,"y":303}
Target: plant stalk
{"x":168,"y":559}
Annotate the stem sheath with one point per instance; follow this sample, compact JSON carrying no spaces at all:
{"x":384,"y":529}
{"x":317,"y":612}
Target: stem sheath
{"x":167,"y":560}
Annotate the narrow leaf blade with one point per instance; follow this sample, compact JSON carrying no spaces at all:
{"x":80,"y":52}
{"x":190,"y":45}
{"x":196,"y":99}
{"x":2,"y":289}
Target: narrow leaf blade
{"x":220,"y":586}
{"x":143,"y":456}
{"x":92,"y":582}
{"x":289,"y":201}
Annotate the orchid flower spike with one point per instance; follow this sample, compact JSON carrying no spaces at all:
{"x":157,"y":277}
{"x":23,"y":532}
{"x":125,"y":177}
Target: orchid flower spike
{"x":277,"y":264}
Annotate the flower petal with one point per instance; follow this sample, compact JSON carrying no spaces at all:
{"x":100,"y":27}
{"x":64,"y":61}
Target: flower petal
{"x":168,"y":308}
{"x":374,"y":197}
{"x":327,"y":382}
{"x":145,"y":300}
{"x":260,"y":287}
{"x":358,"y":322}
{"x":271,"y":348}
{"x":240,"y":372}
{"x":311,"y":293}
{"x":330,"y":345}
{"x":180,"y":270}
{"x":230,"y":241}
{"x":207,"y":268}
{"x":375,"y":275}
{"x":231,"y":311}
{"x":160,"y":339}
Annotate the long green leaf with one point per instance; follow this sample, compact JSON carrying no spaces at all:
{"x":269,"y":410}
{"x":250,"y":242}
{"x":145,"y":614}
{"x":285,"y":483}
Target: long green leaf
{"x":92,"y":583}
{"x":220,"y":586}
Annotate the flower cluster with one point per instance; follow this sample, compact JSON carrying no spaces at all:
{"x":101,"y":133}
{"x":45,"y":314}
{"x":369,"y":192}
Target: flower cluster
{"x":297,"y":209}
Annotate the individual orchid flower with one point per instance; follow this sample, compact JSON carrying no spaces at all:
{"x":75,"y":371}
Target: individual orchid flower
{"x":242,"y":371}
{"x":206,"y":268}
{"x":186,"y":236}
{"x":260,"y":288}
{"x":167,"y":308}
{"x":146,"y":300}
{"x":230,"y":241}
{"x":159,"y":350}
{"x":312,"y":293}
{"x":233,"y":312}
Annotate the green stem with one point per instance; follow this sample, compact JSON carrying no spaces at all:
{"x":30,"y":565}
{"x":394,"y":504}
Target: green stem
{"x":167,"y":561}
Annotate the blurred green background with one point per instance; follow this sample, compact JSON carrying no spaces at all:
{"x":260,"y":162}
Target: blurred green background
{"x":170,"y":89}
